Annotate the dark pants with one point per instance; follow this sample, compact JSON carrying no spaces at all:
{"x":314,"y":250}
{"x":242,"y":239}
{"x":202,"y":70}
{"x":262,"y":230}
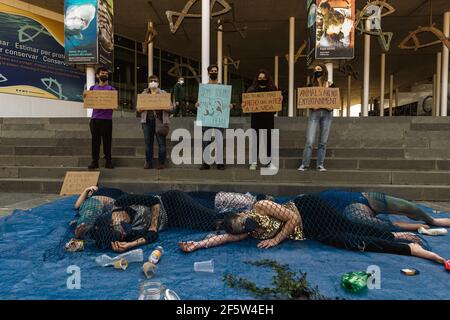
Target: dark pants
{"x":149,"y":129}
{"x":101,"y":130}
{"x":218,"y":142}
{"x":260,"y":121}
{"x":180,"y":109}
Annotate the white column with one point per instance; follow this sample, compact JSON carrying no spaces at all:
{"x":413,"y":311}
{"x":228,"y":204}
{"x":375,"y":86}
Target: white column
{"x":444,"y":90}
{"x":434,"y":111}
{"x":206,"y":41}
{"x":276,"y":73}
{"x":291,"y":65}
{"x":382,"y":85}
{"x":391,"y":94}
{"x":220,"y":52}
{"x":331,"y":79}
{"x":438,"y":83}
{"x":365,"y":102}
{"x":90,"y":81}
{"x":150,"y":53}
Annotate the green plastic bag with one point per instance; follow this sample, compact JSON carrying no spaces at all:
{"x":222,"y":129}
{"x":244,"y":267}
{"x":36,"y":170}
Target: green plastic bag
{"x":355,"y":281}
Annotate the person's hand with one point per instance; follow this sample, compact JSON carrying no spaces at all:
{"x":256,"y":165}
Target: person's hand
{"x":177,"y":103}
{"x":187,"y":104}
{"x":84,"y":95}
{"x":188,"y":247}
{"x":120,"y":246}
{"x":425,"y":226}
{"x":91,"y":189}
{"x":231,"y":106}
{"x":197,"y":104}
{"x":266,"y":244}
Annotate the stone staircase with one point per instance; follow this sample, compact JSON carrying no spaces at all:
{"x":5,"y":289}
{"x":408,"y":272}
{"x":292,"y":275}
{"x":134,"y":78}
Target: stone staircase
{"x":406,"y":157}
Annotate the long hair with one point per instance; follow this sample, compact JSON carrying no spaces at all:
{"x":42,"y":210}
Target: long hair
{"x":315,"y":81}
{"x":270,"y":84}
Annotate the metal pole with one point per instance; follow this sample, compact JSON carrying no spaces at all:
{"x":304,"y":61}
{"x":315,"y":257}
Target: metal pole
{"x":349,"y":95}
{"x":276,"y":74}
{"x":150,"y":53}
{"x":220,"y":52}
{"x":291,"y":65}
{"x":365,"y":103}
{"x":225,"y":71}
{"x":90,"y":81}
{"x":435,"y":96}
{"x":391,"y":94}
{"x":438,"y":83}
{"x":445,"y":54}
{"x":383,"y":75}
{"x":206,"y":41}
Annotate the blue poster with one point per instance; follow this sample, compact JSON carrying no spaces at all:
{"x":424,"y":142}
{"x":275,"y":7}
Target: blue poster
{"x":81,"y":31}
{"x":32,"y":57}
{"x":214,"y":105}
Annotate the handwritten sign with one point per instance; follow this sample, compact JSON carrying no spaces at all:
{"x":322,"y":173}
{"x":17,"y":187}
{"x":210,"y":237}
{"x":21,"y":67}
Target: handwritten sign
{"x":318,"y":98}
{"x":262,"y":102}
{"x":76,"y":182}
{"x":101,"y":99}
{"x":214,"y":105}
{"x":160,"y":101}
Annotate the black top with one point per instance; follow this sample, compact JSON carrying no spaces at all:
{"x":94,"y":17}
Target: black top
{"x":262,"y":120}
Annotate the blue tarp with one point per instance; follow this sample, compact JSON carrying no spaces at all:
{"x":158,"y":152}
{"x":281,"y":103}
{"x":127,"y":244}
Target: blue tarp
{"x":26,"y":235}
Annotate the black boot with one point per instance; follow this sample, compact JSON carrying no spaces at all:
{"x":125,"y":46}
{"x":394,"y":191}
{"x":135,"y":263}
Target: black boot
{"x":109,"y":164}
{"x":93,"y":165}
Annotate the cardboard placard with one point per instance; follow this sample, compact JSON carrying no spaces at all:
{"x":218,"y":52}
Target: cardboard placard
{"x":262,"y":102}
{"x":318,"y":98}
{"x":160,"y":101}
{"x":101,"y":99}
{"x":76,"y":182}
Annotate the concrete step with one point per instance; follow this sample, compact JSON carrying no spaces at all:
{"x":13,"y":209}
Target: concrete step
{"x":53,"y":186}
{"x":242,"y":175}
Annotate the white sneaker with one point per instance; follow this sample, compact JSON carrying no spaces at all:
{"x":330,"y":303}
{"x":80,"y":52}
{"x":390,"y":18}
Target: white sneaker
{"x":302,"y":168}
{"x":321,"y":169}
{"x":253,"y":166}
{"x":272,"y":167}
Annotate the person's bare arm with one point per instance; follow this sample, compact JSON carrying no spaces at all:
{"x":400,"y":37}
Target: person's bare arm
{"x":291,"y":221}
{"x":216,"y":241}
{"x":410,"y":226}
{"x":84,"y":195}
{"x":155,"y":218}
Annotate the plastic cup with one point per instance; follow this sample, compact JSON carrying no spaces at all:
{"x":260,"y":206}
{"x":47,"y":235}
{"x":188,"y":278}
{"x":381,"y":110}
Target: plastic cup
{"x":121,"y":264}
{"x":151,"y":291}
{"x":149,"y":269}
{"x":204,"y":266}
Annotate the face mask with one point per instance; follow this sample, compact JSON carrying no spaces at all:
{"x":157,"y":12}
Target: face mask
{"x":263,"y":83}
{"x":103,"y":78}
{"x":318,"y":74}
{"x":154,"y":85}
{"x":213,"y":76}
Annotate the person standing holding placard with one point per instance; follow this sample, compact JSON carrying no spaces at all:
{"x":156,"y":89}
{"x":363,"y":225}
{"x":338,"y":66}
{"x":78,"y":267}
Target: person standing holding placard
{"x":101,"y":124}
{"x":263,"y":82}
{"x":321,"y":118}
{"x":155,"y":123}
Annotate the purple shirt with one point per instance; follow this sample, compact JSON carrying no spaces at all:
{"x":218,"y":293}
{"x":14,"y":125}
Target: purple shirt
{"x":104,"y":114}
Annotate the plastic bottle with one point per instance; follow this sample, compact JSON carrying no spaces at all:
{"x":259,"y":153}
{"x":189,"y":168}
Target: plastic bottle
{"x":156,"y":255}
{"x":131,"y":256}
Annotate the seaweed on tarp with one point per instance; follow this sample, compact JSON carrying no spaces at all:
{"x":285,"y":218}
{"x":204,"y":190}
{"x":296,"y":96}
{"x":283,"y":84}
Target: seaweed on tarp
{"x":288,"y":285}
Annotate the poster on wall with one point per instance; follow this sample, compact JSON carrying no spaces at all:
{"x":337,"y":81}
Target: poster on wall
{"x":32,"y":61}
{"x":311,"y":26}
{"x":89,"y":32}
{"x":335,"y":30}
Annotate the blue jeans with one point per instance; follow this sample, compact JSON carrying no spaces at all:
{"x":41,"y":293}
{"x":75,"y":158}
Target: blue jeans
{"x":219,"y":158}
{"x":149,"y":129}
{"x":318,"y":118}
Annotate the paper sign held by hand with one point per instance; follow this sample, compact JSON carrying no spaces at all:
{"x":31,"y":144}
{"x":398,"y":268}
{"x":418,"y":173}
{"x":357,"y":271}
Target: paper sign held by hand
{"x":76,"y":182}
{"x":262,"y":102}
{"x":318,"y":98}
{"x":101,"y":99}
{"x":160,"y":101}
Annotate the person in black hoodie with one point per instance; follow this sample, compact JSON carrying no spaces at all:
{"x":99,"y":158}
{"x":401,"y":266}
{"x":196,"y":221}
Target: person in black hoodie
{"x":263,"y":82}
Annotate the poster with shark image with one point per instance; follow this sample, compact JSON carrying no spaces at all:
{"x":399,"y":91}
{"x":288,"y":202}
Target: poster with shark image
{"x":89,"y":32}
{"x":214,"y":105}
{"x":32,"y":61}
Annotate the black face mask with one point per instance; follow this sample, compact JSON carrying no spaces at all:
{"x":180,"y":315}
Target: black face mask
{"x":104,"y":78}
{"x":318,"y":74}
{"x":213,"y":76}
{"x":263,"y":83}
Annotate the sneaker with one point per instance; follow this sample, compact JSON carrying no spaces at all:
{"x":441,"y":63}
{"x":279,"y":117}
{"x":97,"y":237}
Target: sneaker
{"x":93,"y":165}
{"x":321,"y":169}
{"x":253,"y":166}
{"x":148,"y":166}
{"x":302,"y":168}
{"x":109,"y":165}
{"x":272,"y":167}
{"x":220,"y":167}
{"x":205,"y":167}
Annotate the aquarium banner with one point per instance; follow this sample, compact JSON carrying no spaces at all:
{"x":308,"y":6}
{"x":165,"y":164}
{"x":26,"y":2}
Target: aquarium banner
{"x":88,"y":31}
{"x":32,"y":61}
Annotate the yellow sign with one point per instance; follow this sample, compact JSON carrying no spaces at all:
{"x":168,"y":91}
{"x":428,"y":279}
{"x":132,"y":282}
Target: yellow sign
{"x":101,"y":99}
{"x":262,"y":102}
{"x":160,"y":101}
{"x":318,"y":98}
{"x":76,"y":182}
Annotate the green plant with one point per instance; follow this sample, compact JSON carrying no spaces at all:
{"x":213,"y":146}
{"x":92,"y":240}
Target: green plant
{"x":287,"y":284}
